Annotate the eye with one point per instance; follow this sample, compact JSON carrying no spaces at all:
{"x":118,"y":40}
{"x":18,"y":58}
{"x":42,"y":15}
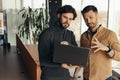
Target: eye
{"x":91,"y":17}
{"x":70,"y":18}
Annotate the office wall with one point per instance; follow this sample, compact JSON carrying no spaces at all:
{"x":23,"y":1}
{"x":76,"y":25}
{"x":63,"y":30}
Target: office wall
{"x":11,"y":8}
{"x":114,"y":17}
{"x":0,"y":4}
{"x":114,"y":23}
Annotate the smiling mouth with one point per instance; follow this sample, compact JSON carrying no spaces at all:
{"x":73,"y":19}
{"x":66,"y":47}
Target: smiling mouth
{"x":65,"y":25}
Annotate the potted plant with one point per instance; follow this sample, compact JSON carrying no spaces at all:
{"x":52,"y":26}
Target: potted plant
{"x":34,"y":22}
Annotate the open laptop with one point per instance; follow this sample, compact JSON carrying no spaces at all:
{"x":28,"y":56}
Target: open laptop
{"x":71,"y":55}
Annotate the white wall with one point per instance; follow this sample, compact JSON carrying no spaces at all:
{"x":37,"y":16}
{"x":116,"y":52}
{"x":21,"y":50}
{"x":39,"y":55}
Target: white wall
{"x":0,"y":4}
{"x":114,"y":17}
{"x":11,"y":7}
{"x":114,"y":23}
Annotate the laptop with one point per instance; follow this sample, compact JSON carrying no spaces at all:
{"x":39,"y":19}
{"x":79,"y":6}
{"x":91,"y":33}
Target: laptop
{"x":71,"y":55}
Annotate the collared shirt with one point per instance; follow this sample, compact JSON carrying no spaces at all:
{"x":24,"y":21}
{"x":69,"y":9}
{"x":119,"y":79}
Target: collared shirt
{"x":99,"y":65}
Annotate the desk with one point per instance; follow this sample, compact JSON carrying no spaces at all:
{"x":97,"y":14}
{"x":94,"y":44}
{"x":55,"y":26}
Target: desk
{"x":29,"y":55}
{"x":33,"y":66}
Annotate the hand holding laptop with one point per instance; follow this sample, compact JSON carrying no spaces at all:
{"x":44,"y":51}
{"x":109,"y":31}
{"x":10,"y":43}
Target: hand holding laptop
{"x":64,"y":43}
{"x":66,"y":66}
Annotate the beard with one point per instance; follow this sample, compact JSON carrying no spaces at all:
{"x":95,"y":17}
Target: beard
{"x":65,"y":25}
{"x":91,"y":25}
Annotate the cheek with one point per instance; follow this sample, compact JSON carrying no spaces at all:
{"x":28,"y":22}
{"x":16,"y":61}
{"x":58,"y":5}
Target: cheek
{"x":69,"y":21}
{"x":94,"y":21}
{"x":62,"y":20}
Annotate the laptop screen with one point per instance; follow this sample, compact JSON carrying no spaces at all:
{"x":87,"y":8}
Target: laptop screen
{"x":71,"y":55}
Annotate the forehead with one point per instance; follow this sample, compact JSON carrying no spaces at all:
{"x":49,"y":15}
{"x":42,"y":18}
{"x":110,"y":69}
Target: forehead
{"x":90,"y":13}
{"x":68,"y":15}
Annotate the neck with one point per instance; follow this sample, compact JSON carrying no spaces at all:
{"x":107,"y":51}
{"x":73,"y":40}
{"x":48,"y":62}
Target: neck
{"x":95,"y":28}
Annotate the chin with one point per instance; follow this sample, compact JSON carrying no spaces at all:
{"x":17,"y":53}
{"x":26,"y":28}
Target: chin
{"x":66,"y":26}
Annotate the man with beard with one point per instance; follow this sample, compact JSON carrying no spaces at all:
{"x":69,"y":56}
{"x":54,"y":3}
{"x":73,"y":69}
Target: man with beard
{"x":56,"y":34}
{"x":104,"y":47}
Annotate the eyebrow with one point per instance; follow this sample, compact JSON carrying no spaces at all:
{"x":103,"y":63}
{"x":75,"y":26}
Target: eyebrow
{"x":67,"y":17}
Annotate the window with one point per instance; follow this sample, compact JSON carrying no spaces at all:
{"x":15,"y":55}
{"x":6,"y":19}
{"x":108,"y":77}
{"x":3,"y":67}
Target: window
{"x":34,"y":3}
{"x":114,"y":17}
{"x":114,"y":24}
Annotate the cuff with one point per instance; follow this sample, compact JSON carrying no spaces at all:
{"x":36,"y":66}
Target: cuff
{"x":109,"y":49}
{"x":111,"y":53}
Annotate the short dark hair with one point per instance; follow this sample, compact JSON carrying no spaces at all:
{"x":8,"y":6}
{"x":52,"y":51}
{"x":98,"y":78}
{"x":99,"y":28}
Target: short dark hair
{"x":88,"y":8}
{"x":67,"y":9}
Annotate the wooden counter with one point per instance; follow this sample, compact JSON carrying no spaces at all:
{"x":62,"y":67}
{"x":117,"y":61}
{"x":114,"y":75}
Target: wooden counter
{"x":29,"y":55}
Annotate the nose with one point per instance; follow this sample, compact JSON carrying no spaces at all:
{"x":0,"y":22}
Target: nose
{"x":68,"y":21}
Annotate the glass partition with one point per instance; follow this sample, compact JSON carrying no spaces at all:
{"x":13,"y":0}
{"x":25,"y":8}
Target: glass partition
{"x":114,"y":17}
{"x":114,"y":24}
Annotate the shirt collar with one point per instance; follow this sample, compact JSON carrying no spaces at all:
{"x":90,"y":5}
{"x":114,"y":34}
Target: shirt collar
{"x":92,"y":33}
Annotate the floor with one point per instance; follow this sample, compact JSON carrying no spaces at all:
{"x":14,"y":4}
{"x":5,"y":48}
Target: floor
{"x":11,"y":66}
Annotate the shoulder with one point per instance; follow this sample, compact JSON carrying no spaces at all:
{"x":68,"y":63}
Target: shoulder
{"x":70,"y":31}
{"x":46,"y":31}
{"x":84,"y":33}
{"x":108,"y":31}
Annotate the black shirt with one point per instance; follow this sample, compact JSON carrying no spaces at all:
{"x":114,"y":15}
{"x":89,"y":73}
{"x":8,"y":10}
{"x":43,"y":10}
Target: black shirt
{"x":48,"y":38}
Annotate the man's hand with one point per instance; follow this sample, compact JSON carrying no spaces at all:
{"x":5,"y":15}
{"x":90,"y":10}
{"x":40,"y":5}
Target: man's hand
{"x":68,"y":66}
{"x":75,"y":75}
{"x":64,"y":43}
{"x":75,"y":78}
{"x":98,"y":46}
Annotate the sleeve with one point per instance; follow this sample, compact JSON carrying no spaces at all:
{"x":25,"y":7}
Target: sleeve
{"x":43,"y":46}
{"x":81,"y":41}
{"x":115,"y":45}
